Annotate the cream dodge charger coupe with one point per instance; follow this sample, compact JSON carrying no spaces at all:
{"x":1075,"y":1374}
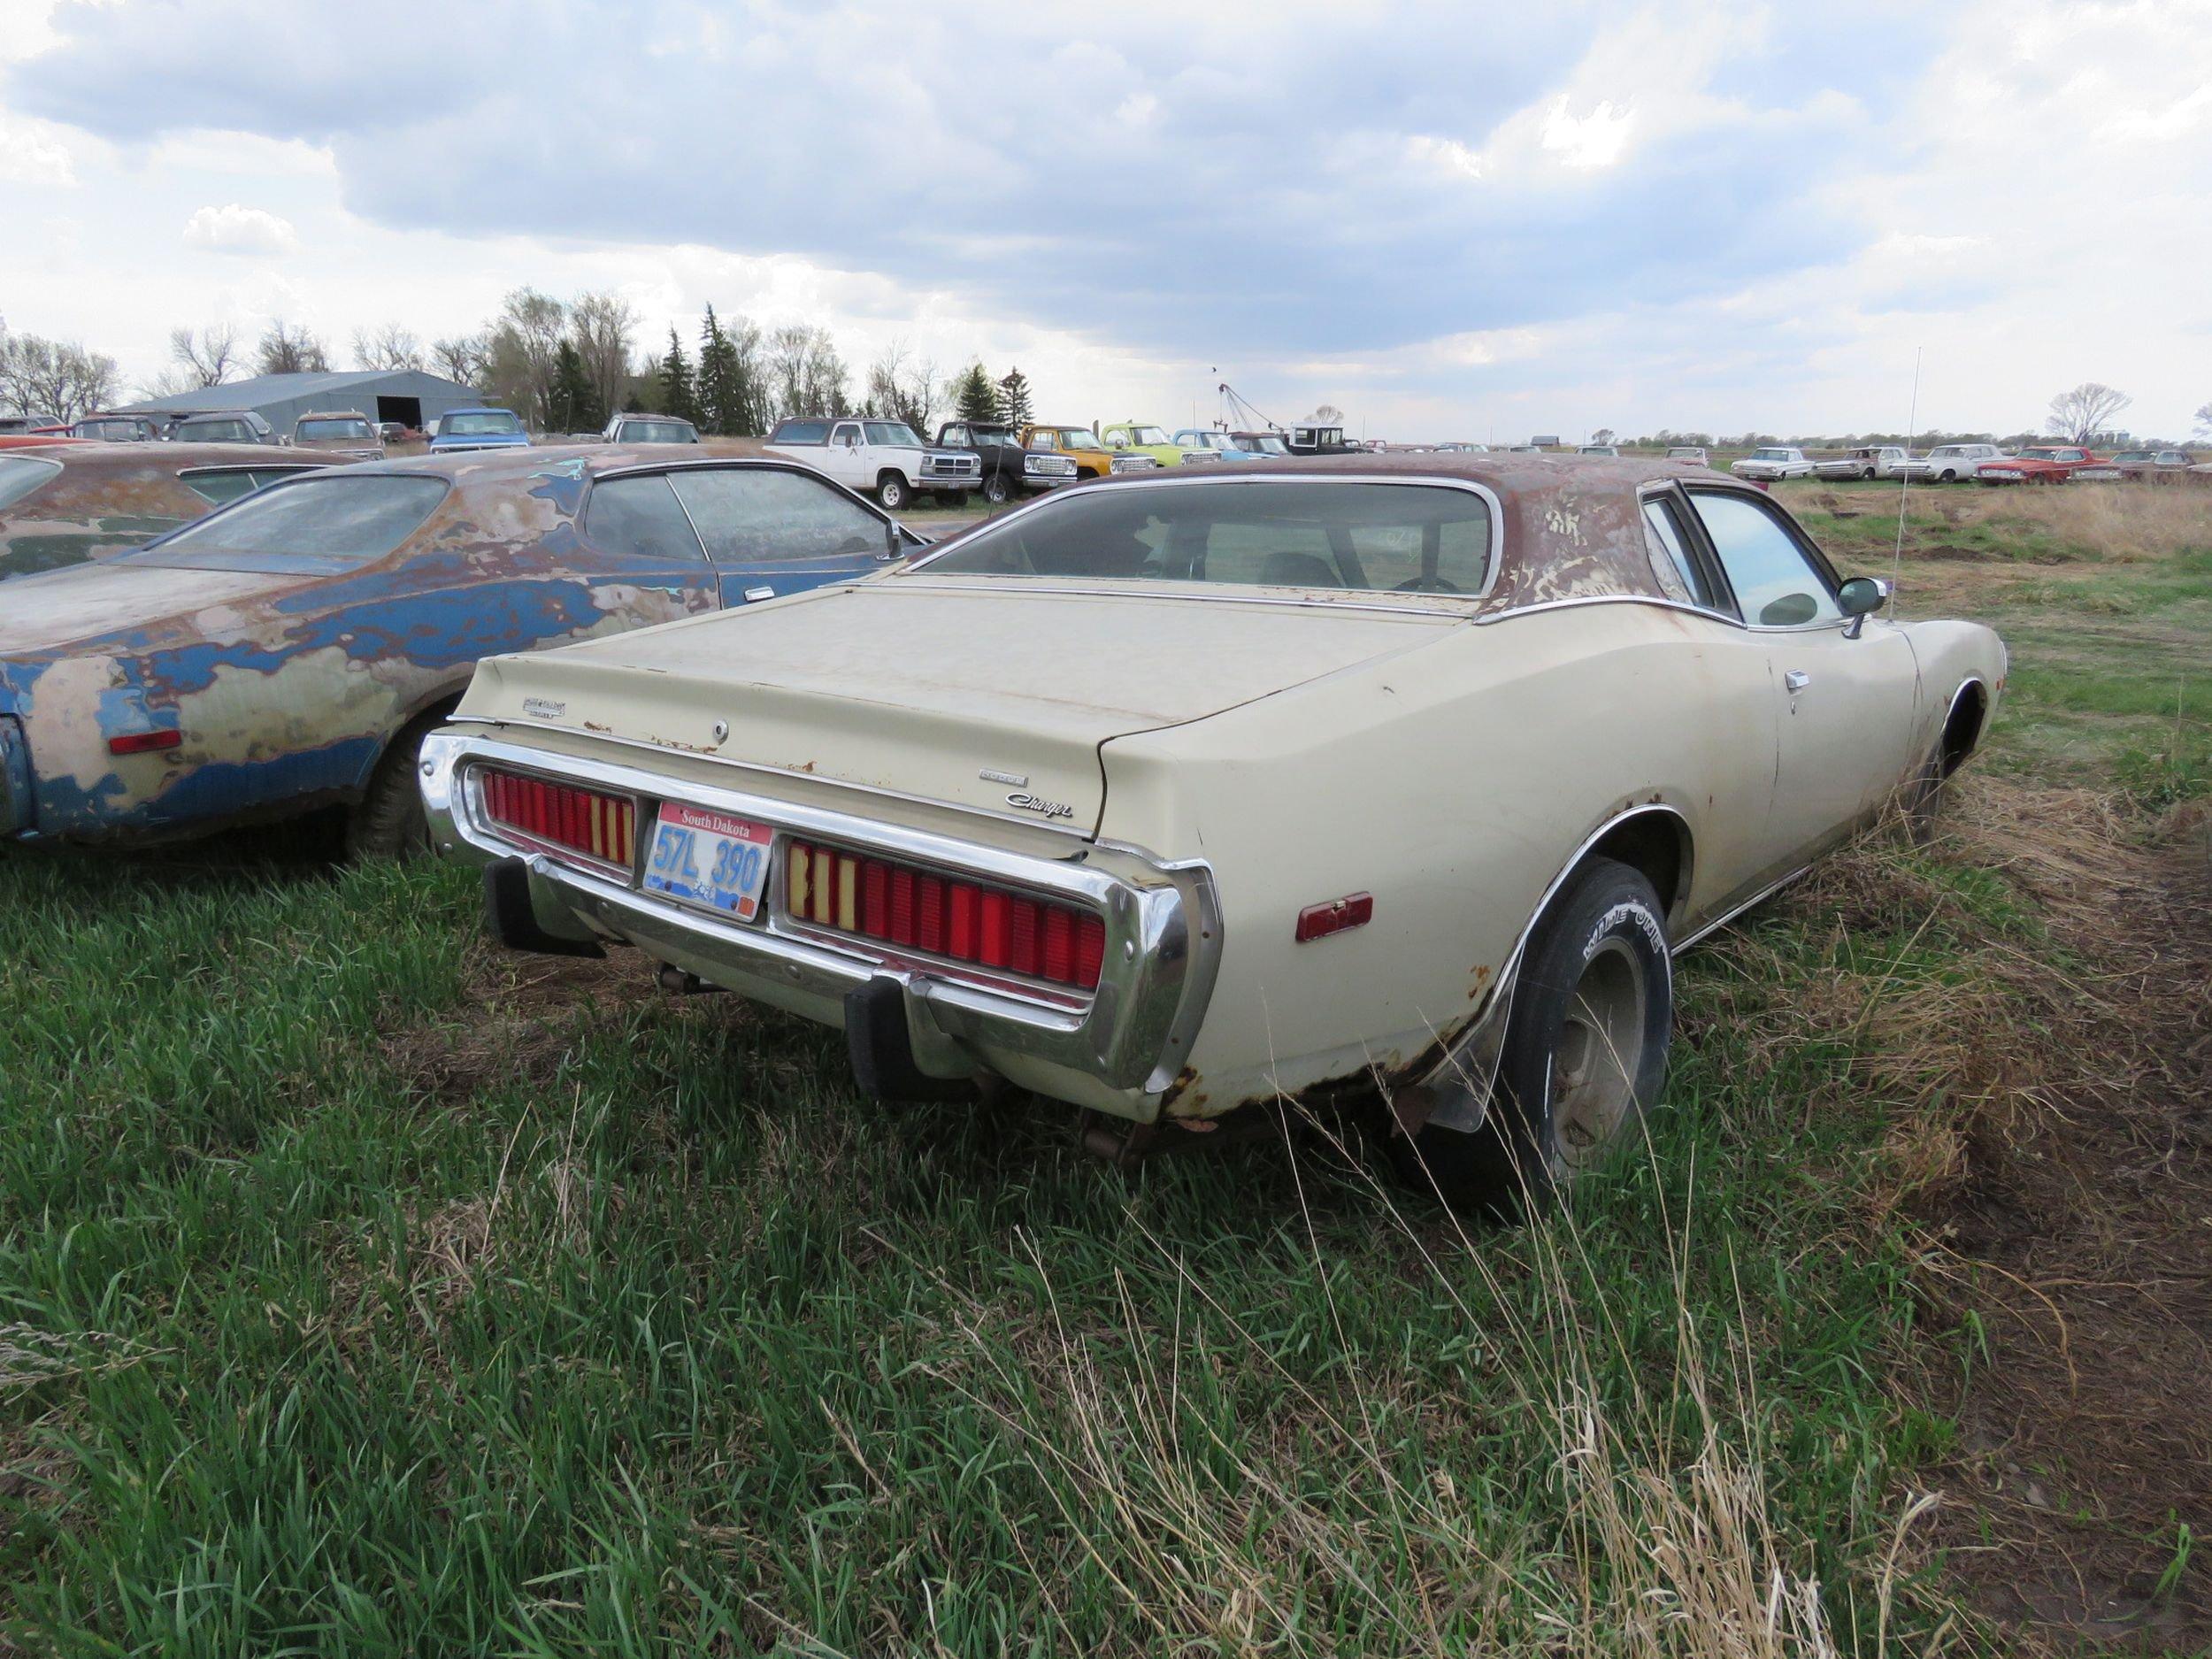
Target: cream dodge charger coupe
{"x":1390,"y":777}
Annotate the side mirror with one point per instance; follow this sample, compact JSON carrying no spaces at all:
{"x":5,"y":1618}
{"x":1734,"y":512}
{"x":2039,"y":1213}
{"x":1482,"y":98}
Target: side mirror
{"x":894,"y":543}
{"x":1858,"y":599}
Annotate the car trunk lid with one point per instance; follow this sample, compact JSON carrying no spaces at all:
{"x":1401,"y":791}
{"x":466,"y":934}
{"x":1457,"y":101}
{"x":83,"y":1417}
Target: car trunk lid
{"x":970,"y":693}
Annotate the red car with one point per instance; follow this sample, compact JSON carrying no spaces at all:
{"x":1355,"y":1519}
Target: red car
{"x":2044,"y":463}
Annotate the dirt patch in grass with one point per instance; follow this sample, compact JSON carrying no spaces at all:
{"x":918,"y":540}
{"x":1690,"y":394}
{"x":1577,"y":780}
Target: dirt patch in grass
{"x":2080,"y":1232}
{"x":2059,"y":1173}
{"x":517,"y":1016}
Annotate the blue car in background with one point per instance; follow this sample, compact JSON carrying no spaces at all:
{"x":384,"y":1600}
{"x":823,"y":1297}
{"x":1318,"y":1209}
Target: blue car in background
{"x":1221,"y":445}
{"x":288,"y":651}
{"x":461,"y":429}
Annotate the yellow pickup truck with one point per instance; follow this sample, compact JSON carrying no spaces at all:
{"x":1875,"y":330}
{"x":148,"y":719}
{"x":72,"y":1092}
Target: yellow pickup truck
{"x":1086,"y":450}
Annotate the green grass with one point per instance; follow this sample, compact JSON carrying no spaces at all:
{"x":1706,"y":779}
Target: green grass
{"x":361,"y":1294}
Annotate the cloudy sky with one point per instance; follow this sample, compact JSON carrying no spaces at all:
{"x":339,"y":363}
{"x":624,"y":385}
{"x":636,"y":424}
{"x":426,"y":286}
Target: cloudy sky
{"x":1453,"y":219}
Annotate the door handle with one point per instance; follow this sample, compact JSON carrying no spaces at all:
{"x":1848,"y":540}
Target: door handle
{"x":1796,"y":678}
{"x":752,"y":593}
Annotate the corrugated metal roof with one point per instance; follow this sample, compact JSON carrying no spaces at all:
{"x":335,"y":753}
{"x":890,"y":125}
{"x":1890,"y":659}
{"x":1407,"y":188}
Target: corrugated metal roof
{"x":264,"y":389}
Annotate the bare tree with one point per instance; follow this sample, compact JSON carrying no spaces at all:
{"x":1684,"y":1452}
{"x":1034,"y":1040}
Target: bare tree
{"x":2204,"y":420}
{"x":602,"y":329}
{"x":284,"y":350}
{"x":51,"y":377}
{"x":805,"y":374}
{"x":1328,"y":414}
{"x":901,"y":388}
{"x":2079,"y":416}
{"x":1603,"y":434}
{"x":525,"y":341}
{"x":387,"y":347}
{"x":206,"y":357}
{"x":462,"y":357}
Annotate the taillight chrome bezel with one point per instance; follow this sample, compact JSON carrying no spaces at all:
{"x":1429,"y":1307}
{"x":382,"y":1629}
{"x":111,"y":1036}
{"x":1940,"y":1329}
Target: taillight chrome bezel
{"x":915,"y":958}
{"x":479,"y":809}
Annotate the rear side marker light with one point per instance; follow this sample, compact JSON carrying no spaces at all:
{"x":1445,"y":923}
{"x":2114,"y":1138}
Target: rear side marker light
{"x":603,"y":826}
{"x":145,"y":742}
{"x":901,"y":905}
{"x":1319,"y":921}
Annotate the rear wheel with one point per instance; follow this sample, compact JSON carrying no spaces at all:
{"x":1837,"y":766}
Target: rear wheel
{"x":1584,"y":1053}
{"x":389,"y":823}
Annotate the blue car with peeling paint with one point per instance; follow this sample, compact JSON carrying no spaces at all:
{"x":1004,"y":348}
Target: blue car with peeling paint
{"x":287,"y":652}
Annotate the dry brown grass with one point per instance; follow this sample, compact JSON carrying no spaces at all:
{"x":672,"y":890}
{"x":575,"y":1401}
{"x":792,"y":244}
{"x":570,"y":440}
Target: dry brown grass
{"x":2052,"y":1158}
{"x":2125,"y":522}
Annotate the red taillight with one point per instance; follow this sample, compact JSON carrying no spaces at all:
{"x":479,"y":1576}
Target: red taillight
{"x":992,"y":927}
{"x":599,"y":825}
{"x":145,"y":742}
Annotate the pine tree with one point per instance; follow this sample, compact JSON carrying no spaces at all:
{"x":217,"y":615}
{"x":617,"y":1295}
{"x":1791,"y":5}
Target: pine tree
{"x":974,"y":396}
{"x":723,"y":400}
{"x":1013,"y":399}
{"x":677,"y":394}
{"x":574,"y":404}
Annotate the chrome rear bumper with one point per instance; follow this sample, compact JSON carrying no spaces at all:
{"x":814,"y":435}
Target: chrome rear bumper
{"x":1117,"y":1049}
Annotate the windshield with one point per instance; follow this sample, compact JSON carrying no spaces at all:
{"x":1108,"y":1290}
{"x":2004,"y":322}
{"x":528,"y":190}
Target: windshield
{"x":1282,"y":532}
{"x":488,"y":423}
{"x":1062,"y":438}
{"x":1262,"y":443}
{"x":1769,"y":455}
{"x":19,"y":475}
{"x":349,"y":428}
{"x":1148,"y":434}
{"x":990,"y":434}
{"x":324,"y":522}
{"x":894,"y":434}
{"x":1680,"y":449}
{"x":2037,"y":455}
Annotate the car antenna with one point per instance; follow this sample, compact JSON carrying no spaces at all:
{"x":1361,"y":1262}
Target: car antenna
{"x":1904,"y":492}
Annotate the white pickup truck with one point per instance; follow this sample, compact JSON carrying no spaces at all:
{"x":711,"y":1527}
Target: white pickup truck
{"x":883,"y":458}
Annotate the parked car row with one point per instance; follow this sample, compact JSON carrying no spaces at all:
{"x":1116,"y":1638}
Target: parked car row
{"x":1981,"y":463}
{"x":1014,"y":808}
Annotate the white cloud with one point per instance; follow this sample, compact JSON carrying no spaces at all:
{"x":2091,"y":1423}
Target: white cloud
{"x":31,"y":153}
{"x":234,"y":228}
{"x":1595,"y":139}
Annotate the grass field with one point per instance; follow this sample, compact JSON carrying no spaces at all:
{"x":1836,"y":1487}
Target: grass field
{"x":365,"y":1291}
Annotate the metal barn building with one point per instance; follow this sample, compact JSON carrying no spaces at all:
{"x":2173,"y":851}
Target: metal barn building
{"x":409,"y":397}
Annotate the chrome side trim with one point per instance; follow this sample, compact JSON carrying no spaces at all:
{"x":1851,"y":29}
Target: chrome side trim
{"x":1734,"y":910}
{"x":1027,"y":820}
{"x":1163,"y":930}
{"x":1173,"y":477}
{"x":1658,"y":600}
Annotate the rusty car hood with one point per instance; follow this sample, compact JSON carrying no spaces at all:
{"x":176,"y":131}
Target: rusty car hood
{"x":968,"y":693}
{"x":84,"y":603}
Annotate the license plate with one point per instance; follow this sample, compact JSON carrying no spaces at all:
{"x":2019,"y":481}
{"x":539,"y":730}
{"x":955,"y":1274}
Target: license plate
{"x":709,"y":859}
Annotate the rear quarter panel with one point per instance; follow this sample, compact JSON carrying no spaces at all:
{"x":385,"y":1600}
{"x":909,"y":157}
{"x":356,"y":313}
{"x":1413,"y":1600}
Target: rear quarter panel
{"x":1455,"y":784}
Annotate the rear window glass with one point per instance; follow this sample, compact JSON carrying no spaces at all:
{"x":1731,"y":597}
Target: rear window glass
{"x":337,"y":427}
{"x":491,"y":423}
{"x":313,"y":525}
{"x":19,"y":475}
{"x":1354,"y":537}
{"x":658,"y":432}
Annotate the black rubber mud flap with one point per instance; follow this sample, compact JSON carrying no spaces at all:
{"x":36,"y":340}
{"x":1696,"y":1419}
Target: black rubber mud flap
{"x":882,"y":1053}
{"x":512,"y":922}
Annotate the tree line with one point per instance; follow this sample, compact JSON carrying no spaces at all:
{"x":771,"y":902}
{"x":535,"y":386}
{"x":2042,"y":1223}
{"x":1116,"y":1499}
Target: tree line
{"x":562,"y":365}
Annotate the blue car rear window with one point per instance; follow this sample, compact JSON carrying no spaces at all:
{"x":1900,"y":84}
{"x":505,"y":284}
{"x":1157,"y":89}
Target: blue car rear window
{"x":328,"y":522}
